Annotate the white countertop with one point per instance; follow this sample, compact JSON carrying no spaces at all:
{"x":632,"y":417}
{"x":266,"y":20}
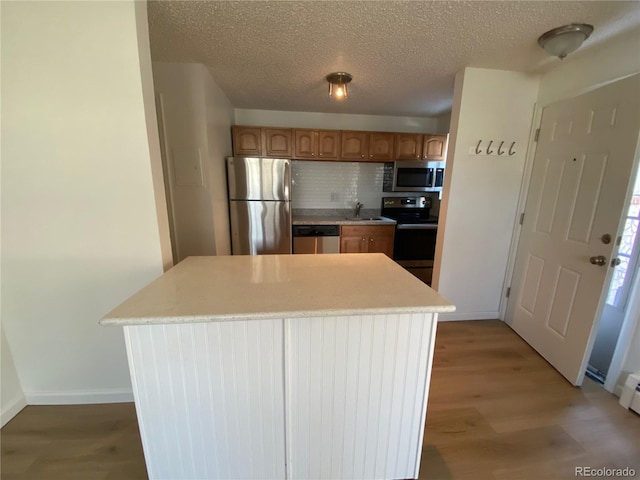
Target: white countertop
{"x":242,"y":287}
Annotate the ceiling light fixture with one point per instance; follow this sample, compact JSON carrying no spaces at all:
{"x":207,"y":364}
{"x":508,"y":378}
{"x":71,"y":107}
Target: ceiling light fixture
{"x":338,"y":84}
{"x":561,"y":41}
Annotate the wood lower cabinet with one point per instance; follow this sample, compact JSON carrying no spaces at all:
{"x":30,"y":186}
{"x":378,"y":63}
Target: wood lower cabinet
{"x":367,"y":239}
{"x":316,"y":144}
{"x":434,"y":147}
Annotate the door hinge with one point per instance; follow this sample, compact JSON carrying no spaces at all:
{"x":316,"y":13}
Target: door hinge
{"x":508,"y":292}
{"x":521,"y":218}
{"x":537,"y":135}
{"x":618,"y":241}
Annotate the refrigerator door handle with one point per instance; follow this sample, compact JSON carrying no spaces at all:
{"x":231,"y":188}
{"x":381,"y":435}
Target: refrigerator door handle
{"x":287,"y":180}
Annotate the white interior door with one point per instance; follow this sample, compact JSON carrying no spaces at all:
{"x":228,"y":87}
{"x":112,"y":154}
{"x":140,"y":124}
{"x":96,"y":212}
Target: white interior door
{"x":578,"y":188}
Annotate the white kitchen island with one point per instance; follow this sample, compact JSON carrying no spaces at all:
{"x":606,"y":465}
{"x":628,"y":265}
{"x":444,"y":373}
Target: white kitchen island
{"x":281,"y":367}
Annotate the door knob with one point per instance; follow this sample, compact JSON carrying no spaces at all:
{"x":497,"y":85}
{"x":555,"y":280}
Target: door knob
{"x":598,"y":260}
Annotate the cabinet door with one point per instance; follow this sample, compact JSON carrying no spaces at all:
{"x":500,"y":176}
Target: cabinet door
{"x":434,"y":147}
{"x":408,"y":146}
{"x":367,"y":239}
{"x":278,"y":142}
{"x":328,"y":144}
{"x":247,"y":141}
{"x":353,"y":243}
{"x":381,"y":147}
{"x":305,"y":143}
{"x":353,"y":239}
{"x":381,"y":244}
{"x":354,"y":145}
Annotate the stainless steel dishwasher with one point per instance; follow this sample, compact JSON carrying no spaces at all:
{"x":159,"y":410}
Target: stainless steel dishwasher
{"x":316,"y":239}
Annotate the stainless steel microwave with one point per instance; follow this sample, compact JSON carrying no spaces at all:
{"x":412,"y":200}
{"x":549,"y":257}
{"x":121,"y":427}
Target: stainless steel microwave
{"x":413,"y":176}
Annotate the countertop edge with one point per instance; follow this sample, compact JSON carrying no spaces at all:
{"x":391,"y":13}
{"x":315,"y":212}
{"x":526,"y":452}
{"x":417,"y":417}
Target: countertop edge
{"x":322,"y":220}
{"x":134,"y":321}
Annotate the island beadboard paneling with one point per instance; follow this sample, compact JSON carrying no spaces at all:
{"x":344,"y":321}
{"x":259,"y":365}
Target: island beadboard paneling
{"x":209,"y":398}
{"x":357,"y":394}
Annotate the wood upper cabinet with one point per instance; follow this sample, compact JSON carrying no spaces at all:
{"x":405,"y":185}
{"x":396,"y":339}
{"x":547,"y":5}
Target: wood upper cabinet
{"x":329,"y":144}
{"x":408,"y":146}
{"x":347,"y":145}
{"x":277,"y":142}
{"x":247,"y":140}
{"x":354,"y":145}
{"x":434,"y":147}
{"x":316,"y":144}
{"x":367,"y":239}
{"x":381,"y":146}
{"x":262,"y":142}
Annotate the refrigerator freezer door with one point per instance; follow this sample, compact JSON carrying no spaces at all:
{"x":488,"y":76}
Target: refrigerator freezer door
{"x":253,"y":178}
{"x":260,"y":228}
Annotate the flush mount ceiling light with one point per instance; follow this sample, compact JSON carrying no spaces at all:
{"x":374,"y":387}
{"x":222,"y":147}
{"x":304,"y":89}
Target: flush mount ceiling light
{"x":561,"y":41}
{"x":338,"y":84}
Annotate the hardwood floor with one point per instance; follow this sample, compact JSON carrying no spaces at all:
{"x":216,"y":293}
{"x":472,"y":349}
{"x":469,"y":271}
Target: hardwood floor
{"x":496,"y":410}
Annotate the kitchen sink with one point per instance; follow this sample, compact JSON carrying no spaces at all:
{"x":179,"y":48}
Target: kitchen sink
{"x":362,"y":219}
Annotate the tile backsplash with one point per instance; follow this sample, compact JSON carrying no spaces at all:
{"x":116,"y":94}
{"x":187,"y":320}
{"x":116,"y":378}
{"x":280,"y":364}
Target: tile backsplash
{"x":336,"y":184}
{"x":339,"y":185}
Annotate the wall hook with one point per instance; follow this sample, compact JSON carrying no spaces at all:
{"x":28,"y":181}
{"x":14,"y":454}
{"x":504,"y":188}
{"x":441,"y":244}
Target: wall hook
{"x":478,"y":151}
{"x":511,"y":152}
{"x":500,"y":151}
{"x":489,"y":152}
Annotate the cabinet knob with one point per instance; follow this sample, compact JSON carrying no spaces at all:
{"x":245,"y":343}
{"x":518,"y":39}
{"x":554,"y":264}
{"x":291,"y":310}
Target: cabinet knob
{"x":371,"y":239}
{"x":312,"y":154}
{"x":320,"y":154}
{"x":362,"y":156}
{"x":371,"y":156}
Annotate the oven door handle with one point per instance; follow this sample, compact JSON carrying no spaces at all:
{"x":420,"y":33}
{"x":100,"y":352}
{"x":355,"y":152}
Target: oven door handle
{"x":417,"y":226}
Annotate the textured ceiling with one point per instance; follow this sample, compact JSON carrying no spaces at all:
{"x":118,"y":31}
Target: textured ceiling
{"x":403,"y":56}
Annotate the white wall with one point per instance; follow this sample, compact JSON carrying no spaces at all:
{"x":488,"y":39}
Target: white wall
{"x":219,"y":119}
{"x":480,"y":196}
{"x":613,"y":60}
{"x":80,"y":230}
{"x":336,"y":121}
{"x":632,"y":361}
{"x":196,"y":118}
{"x":146,"y":73}
{"x":11,"y":396}
{"x":444,"y":123}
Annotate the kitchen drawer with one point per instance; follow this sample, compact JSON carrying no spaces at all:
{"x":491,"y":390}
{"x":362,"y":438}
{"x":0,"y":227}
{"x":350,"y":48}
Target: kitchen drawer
{"x":367,"y":230}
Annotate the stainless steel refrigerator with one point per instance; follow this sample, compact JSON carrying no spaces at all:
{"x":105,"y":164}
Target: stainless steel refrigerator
{"x":259,"y":205}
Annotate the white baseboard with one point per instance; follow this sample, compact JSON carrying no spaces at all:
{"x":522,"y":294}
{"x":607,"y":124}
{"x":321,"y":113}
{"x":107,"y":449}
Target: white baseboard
{"x":12,"y":409}
{"x":460,"y":316}
{"x":115,"y":395}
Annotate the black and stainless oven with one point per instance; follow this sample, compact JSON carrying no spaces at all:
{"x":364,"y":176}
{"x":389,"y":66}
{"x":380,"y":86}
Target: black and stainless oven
{"x":416,"y":230}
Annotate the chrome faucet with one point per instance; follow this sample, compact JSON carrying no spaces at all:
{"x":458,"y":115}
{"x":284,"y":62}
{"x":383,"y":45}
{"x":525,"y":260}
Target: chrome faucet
{"x":357,"y":209}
